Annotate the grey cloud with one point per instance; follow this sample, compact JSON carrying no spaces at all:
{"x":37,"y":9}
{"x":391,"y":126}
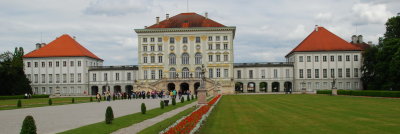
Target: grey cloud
{"x":118,"y":7}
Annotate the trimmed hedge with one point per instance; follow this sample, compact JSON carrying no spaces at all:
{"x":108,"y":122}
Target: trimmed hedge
{"x":28,"y":125}
{"x":373,"y":93}
{"x":143,"y":108}
{"x":22,"y":97}
{"x":109,"y":115}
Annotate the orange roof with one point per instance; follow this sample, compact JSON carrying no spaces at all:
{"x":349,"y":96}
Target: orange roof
{"x":185,"y":20}
{"x":63,"y":46}
{"x":324,"y":40}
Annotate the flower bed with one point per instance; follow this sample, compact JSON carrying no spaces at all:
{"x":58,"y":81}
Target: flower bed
{"x":188,"y":123}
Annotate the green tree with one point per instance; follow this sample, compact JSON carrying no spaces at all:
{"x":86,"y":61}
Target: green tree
{"x":143,"y":108}
{"x":28,"y":126}
{"x":109,"y":115}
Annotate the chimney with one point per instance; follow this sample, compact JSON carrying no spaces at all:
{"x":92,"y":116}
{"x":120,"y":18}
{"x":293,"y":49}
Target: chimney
{"x":167,"y":16}
{"x":42,"y":45}
{"x":38,"y":45}
{"x":157,"y":20}
{"x":74,"y":37}
{"x":354,"y":39}
{"x":145,"y":26}
{"x":370,"y":43}
{"x":360,"y":39}
{"x":206,"y":15}
{"x":316,"y":28}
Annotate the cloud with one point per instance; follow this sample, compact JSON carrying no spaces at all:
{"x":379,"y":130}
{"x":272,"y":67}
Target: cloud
{"x":369,"y":13}
{"x":118,"y":7}
{"x":326,"y":17}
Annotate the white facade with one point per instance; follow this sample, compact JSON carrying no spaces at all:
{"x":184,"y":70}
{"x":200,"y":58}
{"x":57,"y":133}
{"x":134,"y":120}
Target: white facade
{"x":316,"y":70}
{"x":113,"y":78}
{"x":63,"y":75}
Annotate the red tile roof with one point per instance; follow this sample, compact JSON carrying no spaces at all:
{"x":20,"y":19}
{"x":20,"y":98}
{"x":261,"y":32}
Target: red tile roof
{"x":324,"y":40}
{"x":185,"y":20}
{"x":63,"y":46}
{"x":363,"y":45}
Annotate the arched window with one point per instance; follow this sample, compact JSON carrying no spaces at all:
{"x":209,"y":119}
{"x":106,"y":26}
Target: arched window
{"x":198,"y":72}
{"x":185,"y":58}
{"x":172,"y":59}
{"x":185,"y":72}
{"x":198,"y":58}
{"x":172,"y":73}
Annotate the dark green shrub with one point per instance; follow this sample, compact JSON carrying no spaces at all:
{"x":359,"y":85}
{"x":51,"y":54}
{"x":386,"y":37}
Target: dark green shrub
{"x":372,"y":93}
{"x":50,"y":102}
{"x":173,"y":101}
{"x":182,"y":100}
{"x":28,"y":126}
{"x":109,"y":115}
{"x":91,"y":99}
{"x":324,"y":91}
{"x":192,"y":97}
{"x":22,"y":97}
{"x":188,"y":98}
{"x":19,"y":104}
{"x":113,"y":97}
{"x":195,"y":96}
{"x":73,"y":100}
{"x":162,"y":104}
{"x":143,"y":108}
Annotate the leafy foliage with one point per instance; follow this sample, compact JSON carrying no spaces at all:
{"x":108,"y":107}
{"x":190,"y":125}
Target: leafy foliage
{"x":19,"y":103}
{"x":28,"y":126}
{"x":109,"y":115}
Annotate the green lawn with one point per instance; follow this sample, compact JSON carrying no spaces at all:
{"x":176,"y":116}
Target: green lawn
{"x":38,"y":102}
{"x":303,"y":114}
{"x":124,"y":121}
{"x":156,"y":128}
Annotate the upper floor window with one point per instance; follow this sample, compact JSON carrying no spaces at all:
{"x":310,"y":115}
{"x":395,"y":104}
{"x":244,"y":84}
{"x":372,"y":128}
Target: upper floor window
{"x":151,"y":39}
{"x":152,"y":59}
{"x":159,"y":48}
{"x":144,"y":39}
{"x":198,"y":58}
{"x":210,"y":58}
{"x":324,"y":58}
{"x":210,"y":46}
{"x":308,"y":58}
{"x":172,"y":40}
{"x":185,"y":40}
{"x":197,"y":39}
{"x":144,"y":48}
{"x":355,"y":57}
{"x":250,"y":74}
{"x":159,"y":39}
{"x":36,"y":64}
{"x":225,"y":57}
{"x":145,"y":59}
{"x":50,"y":64}
{"x":117,"y":76}
{"x":79,"y":63}
{"x":218,"y":58}
{"x":43,"y":64}
{"x":225,"y":37}
{"x":332,"y":58}
{"x":160,"y":59}
{"x":339,"y":58}
{"x":57,"y":63}
{"x":301,"y":73}
{"x":275,"y":73}
{"x":185,"y":58}
{"x":347,"y":57}
{"x":239,"y":74}
{"x":64,"y":63}
{"x":210,"y":38}
{"x":316,"y":59}
{"x":217,"y":38}
{"x":225,"y":46}
{"x":152,"y":48}
{"x":129,"y":76}
{"x":172,"y":59}
{"x":300,"y":58}
{"x":71,"y":63}
{"x":218,"y":46}
{"x":28,"y":64}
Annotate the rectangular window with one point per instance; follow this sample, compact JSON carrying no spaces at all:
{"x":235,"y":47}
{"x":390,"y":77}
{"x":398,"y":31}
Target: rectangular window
{"x":263,"y":74}
{"x":210,"y":58}
{"x":347,"y":72}
{"x":324,"y":58}
{"x":185,"y":40}
{"x":332,"y":58}
{"x":50,"y":78}
{"x":308,"y":73}
{"x":159,"y":48}
{"x":57,"y":78}
{"x":197,"y":39}
{"x":144,"y":48}
{"x":153,"y":74}
{"x":355,"y":57}
{"x":356,"y":72}
{"x":43,"y":64}
{"x":250,"y":74}
{"x":308,"y":58}
{"x":300,"y":58}
{"x":316,"y":59}
{"x":152,"y":48}
{"x":316,"y":73}
{"x":347,"y":57}
{"x":151,"y":39}
{"x":225,"y":37}
{"x":218,"y":46}
{"x":210,"y":38}
{"x":356,"y":86}
{"x":226,"y":73}
{"x":275,"y":73}
{"x":36,"y":77}
{"x":225,"y":57}
{"x":94,"y":77}
{"x":144,"y":59}
{"x":339,"y":58}
{"x":79,"y":77}
{"x":28,"y":64}
{"x":210,"y":46}
{"x":153,"y":59}
{"x":225,"y":46}
{"x":172,"y":40}
{"x":79,"y":63}
{"x":145,"y":74}
{"x":64,"y":63}
{"x":105,"y":77}
{"x":340,"y":73}
{"x":117,"y":76}
{"x":218,"y":73}
{"x":159,"y":59}
{"x":50,"y":64}
{"x":218,"y":58}
{"x":72,"y":78}
{"x":43,"y":78}
{"x":325,"y":73}
{"x":64,"y":78}
{"x":301,"y":73}
{"x":217,"y":38}
{"x":239,"y":74}
{"x":36,"y":64}
{"x":287,"y":73}
{"x":29,"y":77}
{"x":332,"y":73}
{"x":71,"y":63}
{"x":160,"y":74}
{"x":144,"y":39}
{"x":210,"y":72}
{"x":159,"y":39}
{"x":128,"y":76}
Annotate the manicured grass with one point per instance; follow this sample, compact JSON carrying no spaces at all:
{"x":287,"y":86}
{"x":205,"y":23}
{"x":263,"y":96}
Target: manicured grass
{"x":122,"y":122}
{"x":303,"y":114}
{"x":38,"y":102}
{"x":156,"y":128}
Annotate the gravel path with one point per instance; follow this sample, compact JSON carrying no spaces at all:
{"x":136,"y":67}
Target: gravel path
{"x":135,"y":128}
{"x":53,"y":119}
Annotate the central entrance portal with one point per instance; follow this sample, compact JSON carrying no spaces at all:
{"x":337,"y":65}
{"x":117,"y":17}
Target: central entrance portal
{"x":184,"y":88}
{"x":171,"y":86}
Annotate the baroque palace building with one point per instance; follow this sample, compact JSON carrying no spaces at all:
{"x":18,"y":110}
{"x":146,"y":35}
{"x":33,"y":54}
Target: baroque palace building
{"x":173,"y":51}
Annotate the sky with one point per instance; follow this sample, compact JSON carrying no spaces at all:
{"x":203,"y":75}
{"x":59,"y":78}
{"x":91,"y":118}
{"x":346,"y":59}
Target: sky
{"x":266,"y":30}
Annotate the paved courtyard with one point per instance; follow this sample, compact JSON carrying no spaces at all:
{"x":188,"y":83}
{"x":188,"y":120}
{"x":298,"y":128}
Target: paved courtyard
{"x":53,"y":119}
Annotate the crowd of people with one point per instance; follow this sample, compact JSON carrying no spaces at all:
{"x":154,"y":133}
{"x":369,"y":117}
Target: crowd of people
{"x":153,"y":94}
